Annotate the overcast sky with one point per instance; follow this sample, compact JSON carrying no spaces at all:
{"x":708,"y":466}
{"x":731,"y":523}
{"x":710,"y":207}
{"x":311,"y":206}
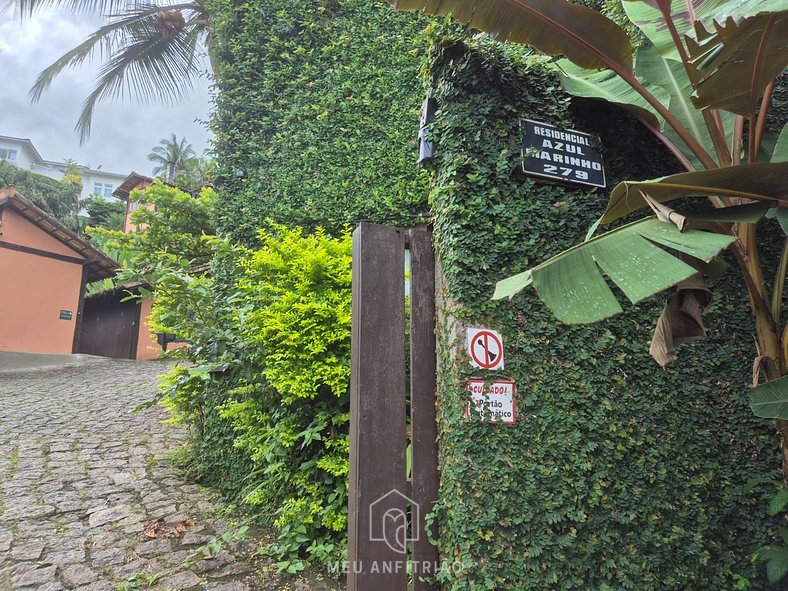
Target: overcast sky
{"x":123,"y":133}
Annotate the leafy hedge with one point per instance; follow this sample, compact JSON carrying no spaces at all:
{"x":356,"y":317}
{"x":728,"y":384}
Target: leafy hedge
{"x":317,"y":113}
{"x":266,"y":394}
{"x":617,"y":475}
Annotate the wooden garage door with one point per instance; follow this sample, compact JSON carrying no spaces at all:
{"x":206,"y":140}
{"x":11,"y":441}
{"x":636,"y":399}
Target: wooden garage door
{"x":110,"y":326}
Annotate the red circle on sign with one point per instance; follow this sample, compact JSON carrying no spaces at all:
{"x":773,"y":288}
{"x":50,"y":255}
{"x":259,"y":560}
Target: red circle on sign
{"x":486,"y":336}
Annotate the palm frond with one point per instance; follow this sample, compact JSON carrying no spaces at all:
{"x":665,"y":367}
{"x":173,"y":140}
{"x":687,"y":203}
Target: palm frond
{"x":172,"y":154}
{"x":26,"y":8}
{"x":107,"y":38}
{"x":147,"y":67}
{"x":108,"y":8}
{"x":141,"y":58}
{"x":158,"y":154}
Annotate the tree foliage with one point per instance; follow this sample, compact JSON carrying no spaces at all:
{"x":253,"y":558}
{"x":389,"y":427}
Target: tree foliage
{"x":172,"y":156}
{"x":172,"y":228}
{"x":104,"y":213}
{"x":58,"y":198}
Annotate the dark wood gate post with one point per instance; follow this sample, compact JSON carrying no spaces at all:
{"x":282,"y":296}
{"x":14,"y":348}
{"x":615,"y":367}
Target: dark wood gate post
{"x":377,"y":410}
{"x":387,"y":512}
{"x":424,"y":430}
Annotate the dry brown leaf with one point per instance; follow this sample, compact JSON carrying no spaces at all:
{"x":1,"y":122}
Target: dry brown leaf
{"x":665,"y":213}
{"x":152,"y":529}
{"x":158,"y":529}
{"x":681,"y":319}
{"x":756,"y":368}
{"x":185,"y":524}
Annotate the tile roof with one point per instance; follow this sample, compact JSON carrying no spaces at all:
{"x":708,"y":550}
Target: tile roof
{"x":99,"y":265}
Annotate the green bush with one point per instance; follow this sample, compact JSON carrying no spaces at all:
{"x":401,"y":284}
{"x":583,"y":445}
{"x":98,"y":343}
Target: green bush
{"x":265,"y":394}
{"x":293,"y":424}
{"x":270,"y":378}
{"x":299,"y":290}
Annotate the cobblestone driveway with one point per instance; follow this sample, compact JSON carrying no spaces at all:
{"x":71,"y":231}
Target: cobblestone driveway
{"x":80,"y":484}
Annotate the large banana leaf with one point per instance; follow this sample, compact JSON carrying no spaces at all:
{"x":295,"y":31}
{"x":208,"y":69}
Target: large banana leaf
{"x":610,"y":87}
{"x":721,"y":10}
{"x":770,"y":399}
{"x":572,"y":285}
{"x":666,"y":79}
{"x":672,"y":76}
{"x":649,"y":19}
{"x":759,"y":181}
{"x":686,"y":13}
{"x":736,"y":60}
{"x":554,"y":27}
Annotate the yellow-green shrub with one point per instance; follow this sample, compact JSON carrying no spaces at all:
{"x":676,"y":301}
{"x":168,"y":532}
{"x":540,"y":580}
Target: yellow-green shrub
{"x":293,"y":308}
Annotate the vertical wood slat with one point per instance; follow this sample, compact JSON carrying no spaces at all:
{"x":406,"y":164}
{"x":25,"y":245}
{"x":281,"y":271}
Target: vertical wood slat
{"x":422,"y":402}
{"x":377,"y":404}
{"x":80,"y":311}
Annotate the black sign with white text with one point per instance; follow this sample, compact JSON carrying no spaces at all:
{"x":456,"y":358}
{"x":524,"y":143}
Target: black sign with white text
{"x":561,"y":154}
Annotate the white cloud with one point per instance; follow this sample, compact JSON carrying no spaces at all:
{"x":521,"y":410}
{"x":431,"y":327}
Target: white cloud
{"x":123,"y":133}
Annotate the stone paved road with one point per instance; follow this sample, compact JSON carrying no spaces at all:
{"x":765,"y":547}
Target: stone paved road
{"x":79,"y":483}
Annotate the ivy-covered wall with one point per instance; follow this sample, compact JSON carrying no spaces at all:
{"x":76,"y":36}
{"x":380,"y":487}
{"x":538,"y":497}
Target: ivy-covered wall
{"x":617,"y":474}
{"x":317,"y":113}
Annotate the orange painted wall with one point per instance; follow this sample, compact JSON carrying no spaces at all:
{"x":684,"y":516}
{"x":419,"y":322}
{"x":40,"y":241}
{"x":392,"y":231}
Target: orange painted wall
{"x":127,"y":225}
{"x":147,"y":346}
{"x":19,"y":230}
{"x":33,"y":290}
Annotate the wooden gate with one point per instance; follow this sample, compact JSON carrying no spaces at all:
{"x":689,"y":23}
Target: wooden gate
{"x":387,"y":510}
{"x":110,"y":326}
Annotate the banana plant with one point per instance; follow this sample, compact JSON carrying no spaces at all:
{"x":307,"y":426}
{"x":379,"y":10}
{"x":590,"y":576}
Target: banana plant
{"x":702,"y":83}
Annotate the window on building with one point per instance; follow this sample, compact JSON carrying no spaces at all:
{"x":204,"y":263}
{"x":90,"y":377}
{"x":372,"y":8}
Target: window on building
{"x":8,"y":154}
{"x":102,"y":189}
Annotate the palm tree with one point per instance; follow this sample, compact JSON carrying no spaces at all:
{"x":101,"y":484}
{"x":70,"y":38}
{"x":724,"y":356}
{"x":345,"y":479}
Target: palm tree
{"x":171,"y":155}
{"x":151,"y":50}
{"x":198,"y":173}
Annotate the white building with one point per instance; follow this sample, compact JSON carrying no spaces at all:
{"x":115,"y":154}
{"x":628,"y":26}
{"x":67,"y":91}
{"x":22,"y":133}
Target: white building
{"x":23,"y":153}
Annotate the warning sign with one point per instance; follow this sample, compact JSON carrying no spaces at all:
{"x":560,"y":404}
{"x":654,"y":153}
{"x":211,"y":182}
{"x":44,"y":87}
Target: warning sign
{"x":485,"y":348}
{"x":491,"y":404}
